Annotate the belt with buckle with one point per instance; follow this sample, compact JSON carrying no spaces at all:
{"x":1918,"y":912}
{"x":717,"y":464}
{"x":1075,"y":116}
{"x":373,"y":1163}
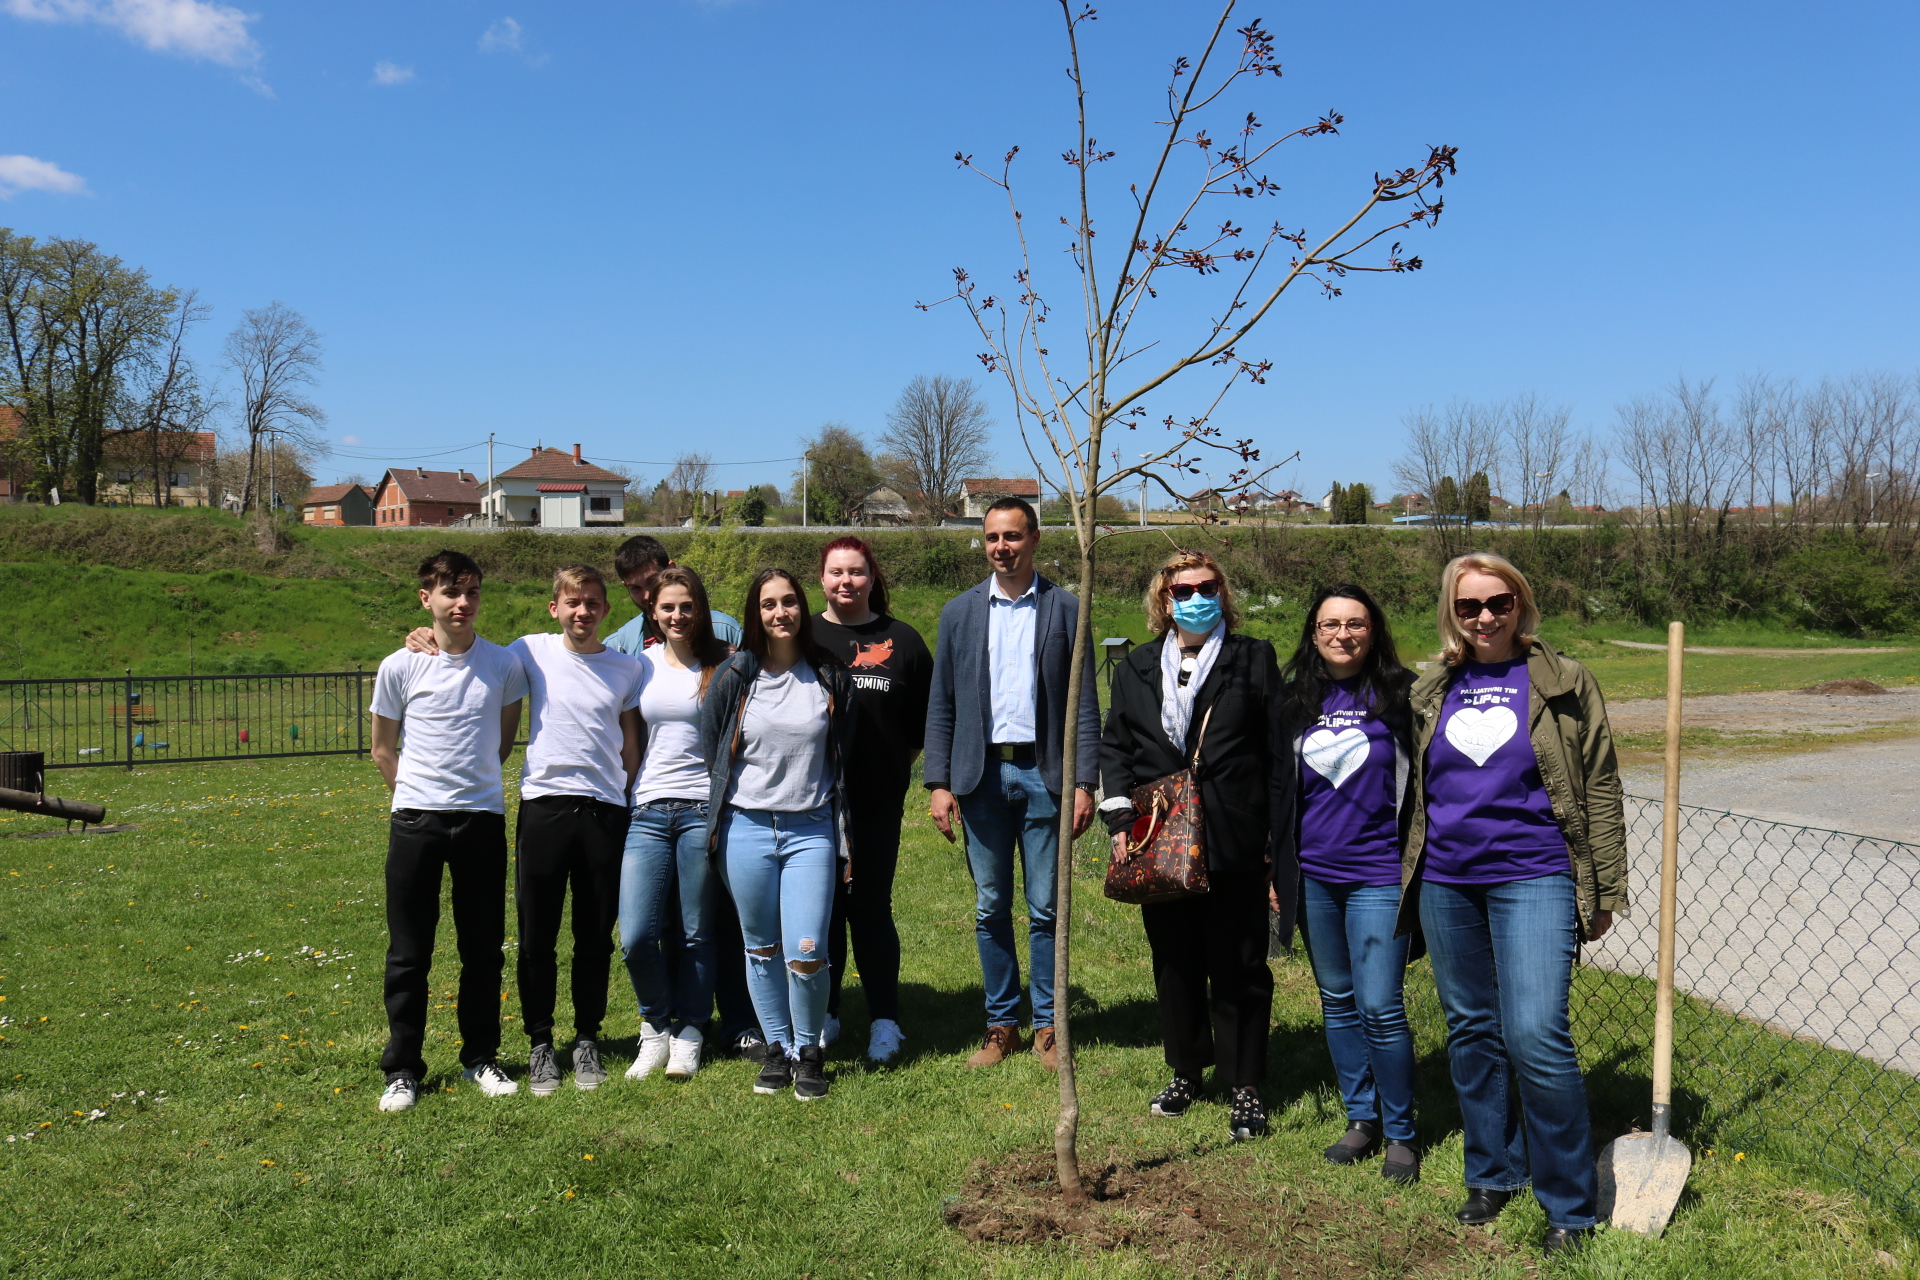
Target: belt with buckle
{"x":1012,"y":752}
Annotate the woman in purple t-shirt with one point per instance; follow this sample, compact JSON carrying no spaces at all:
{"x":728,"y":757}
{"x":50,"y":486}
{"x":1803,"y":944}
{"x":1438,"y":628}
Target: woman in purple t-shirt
{"x":1342,"y":739}
{"x":1514,"y":858}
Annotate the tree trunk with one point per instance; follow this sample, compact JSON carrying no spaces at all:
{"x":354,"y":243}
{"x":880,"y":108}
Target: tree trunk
{"x":1066,"y":1132}
{"x":246,"y":489}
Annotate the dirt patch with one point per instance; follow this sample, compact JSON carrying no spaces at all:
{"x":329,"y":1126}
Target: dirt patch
{"x":1817,"y":710}
{"x":1846,"y":689}
{"x":1213,"y":1217}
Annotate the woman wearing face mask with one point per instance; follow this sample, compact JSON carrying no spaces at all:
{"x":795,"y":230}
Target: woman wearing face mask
{"x":1199,"y":690}
{"x":891,"y":667}
{"x":1516,"y":855}
{"x":1342,"y":747}
{"x":666,"y":856}
{"x":775,"y":728}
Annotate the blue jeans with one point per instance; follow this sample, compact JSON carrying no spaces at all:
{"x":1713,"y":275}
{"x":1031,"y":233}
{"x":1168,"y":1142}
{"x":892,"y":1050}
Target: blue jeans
{"x":1360,"y":968}
{"x":1503,"y":961}
{"x":1008,"y":808}
{"x":780,"y":868}
{"x":667,"y":849}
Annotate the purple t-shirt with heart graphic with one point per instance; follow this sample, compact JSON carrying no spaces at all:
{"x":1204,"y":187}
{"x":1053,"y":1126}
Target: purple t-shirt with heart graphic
{"x":1349,"y":830}
{"x":1489,"y":820}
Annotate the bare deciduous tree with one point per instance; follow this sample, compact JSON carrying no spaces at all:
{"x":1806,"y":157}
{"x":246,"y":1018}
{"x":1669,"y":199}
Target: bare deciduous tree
{"x":276,"y":355}
{"x":1166,"y":226}
{"x":170,"y":411}
{"x":686,"y":486}
{"x":936,"y":436}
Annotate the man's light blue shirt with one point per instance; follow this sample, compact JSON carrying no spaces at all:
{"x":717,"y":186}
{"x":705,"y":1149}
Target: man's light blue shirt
{"x":1010,"y":661}
{"x":632,"y":638}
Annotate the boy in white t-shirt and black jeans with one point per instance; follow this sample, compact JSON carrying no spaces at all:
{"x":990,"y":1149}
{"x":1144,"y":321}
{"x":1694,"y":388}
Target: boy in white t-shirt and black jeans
{"x":583,"y":750}
{"x":460,"y":709}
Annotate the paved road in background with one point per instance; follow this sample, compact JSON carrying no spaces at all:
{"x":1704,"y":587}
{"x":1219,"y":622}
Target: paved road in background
{"x":1781,"y":919}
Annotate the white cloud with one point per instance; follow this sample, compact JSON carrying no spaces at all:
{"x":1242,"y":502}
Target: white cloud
{"x":198,"y":29}
{"x":349,"y":439}
{"x":502,"y":37}
{"x":387,"y":73}
{"x":24,"y":173}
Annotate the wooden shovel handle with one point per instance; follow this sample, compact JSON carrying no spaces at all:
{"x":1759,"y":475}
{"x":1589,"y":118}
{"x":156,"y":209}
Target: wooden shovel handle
{"x":1669,"y":876}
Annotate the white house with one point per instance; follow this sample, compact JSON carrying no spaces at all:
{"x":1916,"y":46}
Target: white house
{"x":557,"y":490}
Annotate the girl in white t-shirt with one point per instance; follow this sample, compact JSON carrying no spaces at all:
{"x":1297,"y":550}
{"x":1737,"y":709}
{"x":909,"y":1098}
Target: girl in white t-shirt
{"x":666,"y":850}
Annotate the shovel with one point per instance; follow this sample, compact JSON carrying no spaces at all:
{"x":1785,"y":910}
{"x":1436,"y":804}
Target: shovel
{"x":1643,"y":1174}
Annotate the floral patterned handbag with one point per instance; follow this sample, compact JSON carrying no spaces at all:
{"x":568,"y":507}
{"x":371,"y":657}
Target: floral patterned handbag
{"x":1166,"y":849}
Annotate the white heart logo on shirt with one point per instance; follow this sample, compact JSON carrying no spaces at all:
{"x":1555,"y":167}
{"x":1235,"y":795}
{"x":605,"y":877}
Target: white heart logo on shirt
{"x":1335,"y":756}
{"x":1479,"y":732}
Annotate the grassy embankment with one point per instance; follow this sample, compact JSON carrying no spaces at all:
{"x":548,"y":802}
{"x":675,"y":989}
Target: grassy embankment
{"x":191,"y":1023}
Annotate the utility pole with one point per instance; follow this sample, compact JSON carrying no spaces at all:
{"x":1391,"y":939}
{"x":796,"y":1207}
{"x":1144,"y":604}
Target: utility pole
{"x":273,"y":485}
{"x":806,"y":465}
{"x":493,"y":514}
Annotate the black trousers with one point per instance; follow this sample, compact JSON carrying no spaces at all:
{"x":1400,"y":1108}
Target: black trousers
{"x":472,"y":846}
{"x":865,"y":906}
{"x":1210,"y":972}
{"x":562,"y":841}
{"x":730,"y":994}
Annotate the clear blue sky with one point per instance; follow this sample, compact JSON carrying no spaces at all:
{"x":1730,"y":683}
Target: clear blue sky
{"x":669,"y":224}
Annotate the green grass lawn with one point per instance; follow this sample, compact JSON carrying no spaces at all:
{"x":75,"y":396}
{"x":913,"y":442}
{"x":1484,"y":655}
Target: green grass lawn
{"x":191,"y":1025}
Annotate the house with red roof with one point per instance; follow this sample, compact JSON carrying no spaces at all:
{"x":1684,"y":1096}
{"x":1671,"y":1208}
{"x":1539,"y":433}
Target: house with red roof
{"x":338,"y":504}
{"x":557,"y":490}
{"x":415,"y":496}
{"x":984,"y":492}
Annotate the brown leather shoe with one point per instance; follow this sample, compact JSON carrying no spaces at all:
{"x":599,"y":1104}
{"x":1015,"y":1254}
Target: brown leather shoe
{"x":1046,"y":1049}
{"x":1000,"y":1044}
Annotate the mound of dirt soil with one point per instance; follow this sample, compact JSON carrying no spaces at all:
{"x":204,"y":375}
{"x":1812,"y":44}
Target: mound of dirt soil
{"x":1845,"y":688}
{"x":1208,"y":1217}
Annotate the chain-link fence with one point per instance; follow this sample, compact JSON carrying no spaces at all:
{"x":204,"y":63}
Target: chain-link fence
{"x":1797,"y":1019}
{"x":127,"y":720}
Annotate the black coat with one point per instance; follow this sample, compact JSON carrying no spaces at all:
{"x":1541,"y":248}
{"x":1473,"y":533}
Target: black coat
{"x":1286,"y":730}
{"x":1234,"y":765}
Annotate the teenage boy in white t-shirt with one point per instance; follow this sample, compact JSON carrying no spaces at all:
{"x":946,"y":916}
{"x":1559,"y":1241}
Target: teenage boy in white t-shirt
{"x":460,"y":708}
{"x":583,"y":750}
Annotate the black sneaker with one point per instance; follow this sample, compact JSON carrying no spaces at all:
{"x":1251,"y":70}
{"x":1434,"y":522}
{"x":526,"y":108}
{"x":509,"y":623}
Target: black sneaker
{"x":776,"y":1073}
{"x":1361,"y":1140}
{"x":810,"y":1074}
{"x":749,"y":1046}
{"x":1248,"y":1116}
{"x":1174,"y":1100}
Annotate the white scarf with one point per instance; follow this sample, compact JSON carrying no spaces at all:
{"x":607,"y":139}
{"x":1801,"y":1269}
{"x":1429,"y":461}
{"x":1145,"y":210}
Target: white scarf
{"x":1176,"y":703}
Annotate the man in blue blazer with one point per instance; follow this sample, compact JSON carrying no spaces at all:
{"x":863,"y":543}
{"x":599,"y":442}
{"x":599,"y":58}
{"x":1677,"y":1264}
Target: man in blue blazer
{"x":996,"y":725}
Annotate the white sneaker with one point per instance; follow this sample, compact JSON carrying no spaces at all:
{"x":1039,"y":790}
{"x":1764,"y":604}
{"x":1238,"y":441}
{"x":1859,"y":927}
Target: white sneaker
{"x":653,"y":1052}
{"x":401,"y":1095}
{"x":831,"y":1031}
{"x":683,"y":1054}
{"x":492,"y":1080}
{"x":885,"y":1040}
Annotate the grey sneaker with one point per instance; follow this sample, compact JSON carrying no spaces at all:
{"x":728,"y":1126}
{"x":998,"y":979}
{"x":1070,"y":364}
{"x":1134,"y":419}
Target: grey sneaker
{"x":543,"y":1073}
{"x":587,"y":1071}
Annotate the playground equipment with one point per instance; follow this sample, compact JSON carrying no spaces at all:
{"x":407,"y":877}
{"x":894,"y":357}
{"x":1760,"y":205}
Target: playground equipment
{"x":22,"y":788}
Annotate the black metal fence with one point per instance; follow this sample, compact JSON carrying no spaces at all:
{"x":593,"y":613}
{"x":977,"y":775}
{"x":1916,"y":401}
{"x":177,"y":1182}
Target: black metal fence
{"x":129,"y":720}
{"x":1797,"y":1026}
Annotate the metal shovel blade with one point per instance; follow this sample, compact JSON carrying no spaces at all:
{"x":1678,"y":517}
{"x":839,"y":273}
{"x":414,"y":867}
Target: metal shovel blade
{"x":1641,"y":1178}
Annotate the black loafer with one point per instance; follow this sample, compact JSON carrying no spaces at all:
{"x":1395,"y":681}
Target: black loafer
{"x":1483,"y":1206}
{"x":1402,"y":1164}
{"x":1361,"y":1140}
{"x":1565,"y":1240}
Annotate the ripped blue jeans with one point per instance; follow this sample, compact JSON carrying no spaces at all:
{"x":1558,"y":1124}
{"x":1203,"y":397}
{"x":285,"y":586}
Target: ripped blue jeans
{"x":780,"y":868}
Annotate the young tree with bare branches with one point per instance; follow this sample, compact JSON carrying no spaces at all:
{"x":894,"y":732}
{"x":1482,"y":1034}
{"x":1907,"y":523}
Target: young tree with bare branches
{"x":1068,"y":404}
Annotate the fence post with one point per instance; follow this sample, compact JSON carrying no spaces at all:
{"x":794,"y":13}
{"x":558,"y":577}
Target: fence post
{"x":359,"y":722}
{"x":129,"y":709}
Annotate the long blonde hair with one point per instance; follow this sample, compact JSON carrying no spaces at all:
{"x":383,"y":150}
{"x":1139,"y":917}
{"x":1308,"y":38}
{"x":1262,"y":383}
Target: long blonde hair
{"x":1454,"y":645}
{"x":1160,"y":613}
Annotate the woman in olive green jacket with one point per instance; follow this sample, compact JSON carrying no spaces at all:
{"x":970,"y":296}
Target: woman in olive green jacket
{"x":1517,"y":852}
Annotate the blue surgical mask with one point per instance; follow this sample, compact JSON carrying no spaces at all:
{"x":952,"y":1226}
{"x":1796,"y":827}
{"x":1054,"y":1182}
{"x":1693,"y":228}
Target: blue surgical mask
{"x":1197,"y":614}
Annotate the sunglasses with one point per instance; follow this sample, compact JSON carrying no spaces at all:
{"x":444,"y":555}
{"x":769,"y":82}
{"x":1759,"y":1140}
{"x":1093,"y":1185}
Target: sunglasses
{"x":1499,"y":606}
{"x":1184,"y":590}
